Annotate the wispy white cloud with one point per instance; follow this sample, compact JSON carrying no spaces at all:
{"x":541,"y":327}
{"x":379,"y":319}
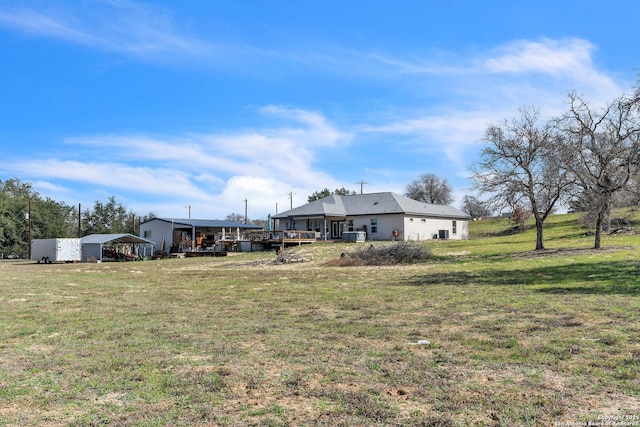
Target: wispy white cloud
{"x":492,"y":85}
{"x":526,"y":71}
{"x":288,"y":152}
{"x":151,"y":32}
{"x":49,"y":186}
{"x":568,"y":62}
{"x":477,"y":90}
{"x":33,"y":22}
{"x":556,"y":57}
{"x":319,"y":131}
{"x":121,"y":26}
{"x":161,"y":181}
{"x":216,"y":170}
{"x":213,"y":172}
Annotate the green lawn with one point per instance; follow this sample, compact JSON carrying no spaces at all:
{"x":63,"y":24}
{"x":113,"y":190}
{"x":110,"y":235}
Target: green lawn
{"x":487,"y":332}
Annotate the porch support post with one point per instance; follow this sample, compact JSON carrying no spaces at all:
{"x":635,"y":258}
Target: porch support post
{"x":325,"y":228}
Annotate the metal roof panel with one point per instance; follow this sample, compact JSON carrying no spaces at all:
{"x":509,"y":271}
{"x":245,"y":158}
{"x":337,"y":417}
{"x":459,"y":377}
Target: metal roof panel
{"x":113,"y":238}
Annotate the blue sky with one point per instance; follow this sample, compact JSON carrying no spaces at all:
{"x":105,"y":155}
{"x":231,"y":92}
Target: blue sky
{"x":167,"y":104}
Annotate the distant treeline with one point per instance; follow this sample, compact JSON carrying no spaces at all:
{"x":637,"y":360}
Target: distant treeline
{"x":25,"y":215}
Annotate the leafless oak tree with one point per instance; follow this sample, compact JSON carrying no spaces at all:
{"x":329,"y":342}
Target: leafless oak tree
{"x":429,"y":188}
{"x":475,"y":207}
{"x":601,"y":148}
{"x":519,"y":166}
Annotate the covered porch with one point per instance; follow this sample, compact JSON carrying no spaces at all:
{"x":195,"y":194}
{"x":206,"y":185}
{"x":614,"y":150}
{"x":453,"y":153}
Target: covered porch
{"x":325,"y":227}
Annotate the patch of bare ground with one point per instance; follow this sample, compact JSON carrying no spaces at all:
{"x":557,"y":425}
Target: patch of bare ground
{"x":456,"y":253}
{"x":10,"y":409}
{"x":594,"y":409}
{"x":568,"y":252}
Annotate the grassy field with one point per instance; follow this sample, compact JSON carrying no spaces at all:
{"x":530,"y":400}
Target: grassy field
{"x":487,"y":332}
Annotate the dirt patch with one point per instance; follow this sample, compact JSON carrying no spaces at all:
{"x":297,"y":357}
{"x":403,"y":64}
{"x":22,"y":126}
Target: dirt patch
{"x":458,"y":253}
{"x":569,"y":252}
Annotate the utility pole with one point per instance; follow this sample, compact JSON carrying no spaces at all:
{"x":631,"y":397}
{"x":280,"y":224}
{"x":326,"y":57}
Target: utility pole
{"x":30,"y":228}
{"x":276,"y":222}
{"x":291,"y":198}
{"x":362,"y":183}
{"x":79,"y":219}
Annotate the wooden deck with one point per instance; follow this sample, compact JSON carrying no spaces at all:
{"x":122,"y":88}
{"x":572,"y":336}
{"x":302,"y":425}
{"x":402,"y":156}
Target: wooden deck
{"x":266,"y":240}
{"x":282,"y":237}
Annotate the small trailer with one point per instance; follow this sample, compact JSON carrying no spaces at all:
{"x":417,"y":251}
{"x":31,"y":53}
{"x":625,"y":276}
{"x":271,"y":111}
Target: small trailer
{"x":56,"y":250}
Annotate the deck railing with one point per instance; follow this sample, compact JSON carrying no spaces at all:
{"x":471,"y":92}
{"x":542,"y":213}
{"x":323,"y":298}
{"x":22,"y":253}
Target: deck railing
{"x":285,"y":236}
{"x":265,"y":235}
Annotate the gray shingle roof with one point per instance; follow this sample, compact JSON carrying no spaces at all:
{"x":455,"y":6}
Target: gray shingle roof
{"x":371,"y":204}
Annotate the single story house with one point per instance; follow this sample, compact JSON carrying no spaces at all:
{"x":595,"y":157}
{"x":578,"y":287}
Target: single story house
{"x":179,"y":235}
{"x":382,"y":216}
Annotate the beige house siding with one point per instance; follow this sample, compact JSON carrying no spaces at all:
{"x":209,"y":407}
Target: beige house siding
{"x":412,"y":227}
{"x":421,"y":228}
{"x":385,"y":224}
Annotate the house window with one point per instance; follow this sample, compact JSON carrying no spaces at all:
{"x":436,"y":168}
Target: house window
{"x":374,"y":225}
{"x":147,"y":234}
{"x":423,"y":220}
{"x":315,"y":225}
{"x":454,"y":227}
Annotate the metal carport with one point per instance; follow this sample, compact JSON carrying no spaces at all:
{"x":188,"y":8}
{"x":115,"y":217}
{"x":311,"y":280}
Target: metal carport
{"x":93,"y":243}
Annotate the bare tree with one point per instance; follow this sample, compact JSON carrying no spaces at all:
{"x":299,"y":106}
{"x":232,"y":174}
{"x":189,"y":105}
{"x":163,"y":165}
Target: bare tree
{"x":429,"y":188}
{"x":519,"y":218}
{"x":519,"y":166}
{"x":602,"y":150}
{"x":635,"y":97}
{"x":631,"y":194}
{"x":235,"y":217}
{"x":475,"y":207}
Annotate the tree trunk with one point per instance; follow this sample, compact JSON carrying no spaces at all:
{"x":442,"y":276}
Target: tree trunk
{"x":539,"y":234}
{"x":598,"y":230}
{"x":606,"y":223}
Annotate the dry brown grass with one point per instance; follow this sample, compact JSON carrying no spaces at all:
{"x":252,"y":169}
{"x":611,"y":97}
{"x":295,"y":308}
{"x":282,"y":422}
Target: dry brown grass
{"x":511,"y":340}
